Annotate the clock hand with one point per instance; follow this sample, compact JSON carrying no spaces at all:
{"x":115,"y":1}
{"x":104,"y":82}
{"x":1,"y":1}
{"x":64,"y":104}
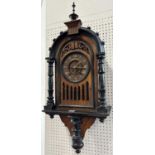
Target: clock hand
{"x":78,"y":64}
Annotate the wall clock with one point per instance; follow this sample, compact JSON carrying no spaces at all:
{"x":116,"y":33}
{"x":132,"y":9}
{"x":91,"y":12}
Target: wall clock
{"x":78,"y":55}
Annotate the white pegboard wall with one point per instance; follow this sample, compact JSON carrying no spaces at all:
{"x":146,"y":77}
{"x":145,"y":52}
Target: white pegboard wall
{"x":98,"y":139}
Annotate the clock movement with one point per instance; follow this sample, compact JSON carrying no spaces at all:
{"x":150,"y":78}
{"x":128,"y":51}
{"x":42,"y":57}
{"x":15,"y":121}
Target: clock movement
{"x":78,"y":55}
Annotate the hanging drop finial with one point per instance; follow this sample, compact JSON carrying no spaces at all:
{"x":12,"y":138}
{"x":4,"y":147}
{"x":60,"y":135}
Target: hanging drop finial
{"x":73,"y":16}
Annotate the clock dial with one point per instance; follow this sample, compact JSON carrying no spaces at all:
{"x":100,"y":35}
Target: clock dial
{"x":75,"y":67}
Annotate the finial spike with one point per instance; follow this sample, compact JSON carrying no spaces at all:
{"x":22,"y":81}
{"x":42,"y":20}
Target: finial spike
{"x":73,"y":16}
{"x":73,"y":5}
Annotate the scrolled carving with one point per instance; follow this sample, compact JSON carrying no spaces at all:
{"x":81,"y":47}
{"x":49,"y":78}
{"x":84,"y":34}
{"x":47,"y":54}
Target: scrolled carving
{"x":83,"y":46}
{"x":73,"y":45}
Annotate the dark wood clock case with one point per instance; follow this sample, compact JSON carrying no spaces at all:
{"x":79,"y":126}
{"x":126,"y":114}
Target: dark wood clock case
{"x":78,"y":55}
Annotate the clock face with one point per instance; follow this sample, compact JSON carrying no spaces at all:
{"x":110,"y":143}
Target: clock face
{"x":75,"y":67}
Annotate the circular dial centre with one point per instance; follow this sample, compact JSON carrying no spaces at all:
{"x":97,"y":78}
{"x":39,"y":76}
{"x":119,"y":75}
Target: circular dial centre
{"x":75,"y":67}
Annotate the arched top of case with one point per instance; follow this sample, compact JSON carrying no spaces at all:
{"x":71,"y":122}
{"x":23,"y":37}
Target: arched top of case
{"x":84,"y":31}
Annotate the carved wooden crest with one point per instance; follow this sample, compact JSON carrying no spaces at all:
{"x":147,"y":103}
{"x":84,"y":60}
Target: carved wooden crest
{"x":78,"y":55}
